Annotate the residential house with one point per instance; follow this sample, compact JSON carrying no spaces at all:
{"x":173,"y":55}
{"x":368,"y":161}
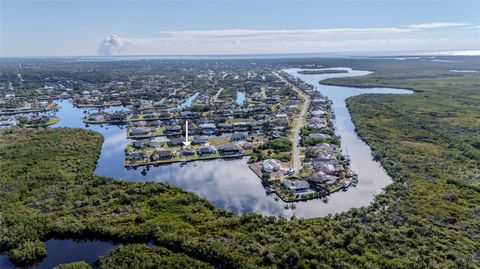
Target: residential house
{"x":135,"y":156}
{"x":271,"y":165}
{"x":296,"y":186}
{"x":230,"y":149}
{"x":319,"y":178}
{"x":175,"y":141}
{"x":208,"y":128}
{"x":198,"y":140}
{"x":208,"y":150}
{"x":238,"y":137}
{"x":173,"y":130}
{"x":187,"y":152}
{"x":161,"y":154}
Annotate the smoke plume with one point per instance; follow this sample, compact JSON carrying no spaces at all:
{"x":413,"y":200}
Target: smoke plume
{"x":112,"y":45}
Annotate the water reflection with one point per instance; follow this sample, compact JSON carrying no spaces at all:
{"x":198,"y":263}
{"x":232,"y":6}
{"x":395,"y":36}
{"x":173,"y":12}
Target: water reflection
{"x":188,"y":102}
{"x":226,"y":183}
{"x":372,"y":177}
{"x":231,"y":184}
{"x":65,"y":251}
{"x":240,"y":98}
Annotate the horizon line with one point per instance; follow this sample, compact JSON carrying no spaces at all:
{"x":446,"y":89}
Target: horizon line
{"x":246,"y":55}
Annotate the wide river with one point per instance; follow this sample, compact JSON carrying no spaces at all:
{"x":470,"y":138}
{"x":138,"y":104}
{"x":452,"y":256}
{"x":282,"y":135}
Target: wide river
{"x":231,"y":184}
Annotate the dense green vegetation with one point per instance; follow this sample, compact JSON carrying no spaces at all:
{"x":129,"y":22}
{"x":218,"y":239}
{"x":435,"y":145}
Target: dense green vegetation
{"x":74,"y":265}
{"x":279,"y":144}
{"x":149,"y":257}
{"x":429,"y":216}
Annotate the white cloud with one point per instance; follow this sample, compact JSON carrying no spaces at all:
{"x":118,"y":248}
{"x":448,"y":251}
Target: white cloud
{"x":112,"y":44}
{"x":437,"y":25}
{"x":242,"y":33}
{"x":241,"y":41}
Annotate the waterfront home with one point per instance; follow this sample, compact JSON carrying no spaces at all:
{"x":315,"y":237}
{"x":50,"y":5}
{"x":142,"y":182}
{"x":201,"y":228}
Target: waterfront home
{"x":327,"y":168}
{"x":317,"y":113}
{"x":230,"y":149}
{"x":139,"y":131}
{"x":271,"y":165}
{"x":318,"y":136}
{"x":135,"y":156}
{"x":317,"y":120}
{"x":319,"y":178}
{"x":208,"y":150}
{"x":319,"y":101}
{"x":96,"y":117}
{"x":187,"y":152}
{"x":317,"y":125}
{"x":117,"y":117}
{"x":142,"y":143}
{"x":328,"y":149}
{"x":296,"y":186}
{"x":161,"y":154}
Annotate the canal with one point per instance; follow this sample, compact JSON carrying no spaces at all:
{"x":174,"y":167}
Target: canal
{"x":229,"y":184}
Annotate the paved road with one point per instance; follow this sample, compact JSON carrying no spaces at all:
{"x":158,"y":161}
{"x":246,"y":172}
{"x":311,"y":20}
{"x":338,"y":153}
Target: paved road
{"x":297,"y":164}
{"x":215,"y":98}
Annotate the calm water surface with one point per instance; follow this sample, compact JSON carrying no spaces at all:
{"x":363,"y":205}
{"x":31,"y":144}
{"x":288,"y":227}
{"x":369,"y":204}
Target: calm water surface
{"x":231,"y":184}
{"x":371,"y":175}
{"x":66,"y":250}
{"x":240,"y":98}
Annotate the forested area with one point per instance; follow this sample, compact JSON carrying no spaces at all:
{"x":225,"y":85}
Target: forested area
{"x":429,"y":216}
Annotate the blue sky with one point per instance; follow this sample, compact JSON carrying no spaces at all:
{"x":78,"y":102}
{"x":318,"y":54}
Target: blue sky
{"x":71,"y":27}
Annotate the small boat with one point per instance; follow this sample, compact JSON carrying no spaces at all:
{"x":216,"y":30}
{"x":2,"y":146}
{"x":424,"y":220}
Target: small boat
{"x":325,"y":199}
{"x":183,"y":162}
{"x":346,"y":185}
{"x":275,"y":198}
{"x":293,"y":206}
{"x":354,"y":180}
{"x":286,"y":206}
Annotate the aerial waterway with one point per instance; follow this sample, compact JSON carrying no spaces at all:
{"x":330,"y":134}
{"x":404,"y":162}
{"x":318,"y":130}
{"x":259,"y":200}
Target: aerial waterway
{"x":230,"y":184}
